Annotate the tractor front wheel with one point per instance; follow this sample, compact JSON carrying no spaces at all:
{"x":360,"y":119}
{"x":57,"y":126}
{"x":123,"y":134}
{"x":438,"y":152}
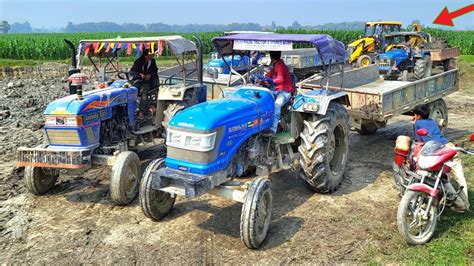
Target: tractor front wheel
{"x":155,"y":204}
{"x":40,"y":180}
{"x":324,"y":149}
{"x":125,"y":178}
{"x":256,"y":213}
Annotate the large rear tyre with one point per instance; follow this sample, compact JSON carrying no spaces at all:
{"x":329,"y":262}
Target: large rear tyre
{"x":412,"y":226}
{"x":423,"y":68}
{"x":155,"y":204}
{"x":439,"y":113}
{"x":256,"y":213}
{"x":125,"y":178}
{"x":419,"y":69}
{"x":363,"y":61}
{"x":324,"y":149}
{"x":39,"y":180}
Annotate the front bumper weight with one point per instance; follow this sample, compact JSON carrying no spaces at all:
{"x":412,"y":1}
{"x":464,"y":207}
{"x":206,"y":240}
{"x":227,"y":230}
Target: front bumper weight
{"x":186,"y":184}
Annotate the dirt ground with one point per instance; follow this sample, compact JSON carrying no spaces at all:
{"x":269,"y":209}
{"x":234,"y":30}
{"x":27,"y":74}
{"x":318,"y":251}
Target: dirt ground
{"x":76,"y":221}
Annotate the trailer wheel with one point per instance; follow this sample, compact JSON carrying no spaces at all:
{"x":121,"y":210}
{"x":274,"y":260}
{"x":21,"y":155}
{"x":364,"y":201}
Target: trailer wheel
{"x":40,"y":180}
{"x":439,"y":113}
{"x":363,"y":61}
{"x":125,"y":178}
{"x":256,"y":213}
{"x":448,"y":64}
{"x":324,"y":149}
{"x":368,"y":129}
{"x":155,"y":204}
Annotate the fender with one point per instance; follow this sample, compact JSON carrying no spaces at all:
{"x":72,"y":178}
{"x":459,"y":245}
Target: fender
{"x":424,"y":188}
{"x":319,"y":97}
{"x":172,"y":93}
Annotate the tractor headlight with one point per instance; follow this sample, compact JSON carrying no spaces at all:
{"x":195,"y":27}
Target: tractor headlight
{"x":63,"y":120}
{"x":191,"y":141}
{"x":313,"y":107}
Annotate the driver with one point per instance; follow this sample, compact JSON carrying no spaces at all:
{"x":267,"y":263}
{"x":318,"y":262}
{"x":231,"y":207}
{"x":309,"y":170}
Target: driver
{"x":146,"y":67}
{"x":284,"y":87}
{"x":407,"y":45}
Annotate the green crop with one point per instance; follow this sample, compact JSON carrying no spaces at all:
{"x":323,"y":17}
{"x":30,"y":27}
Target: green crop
{"x":50,"y":46}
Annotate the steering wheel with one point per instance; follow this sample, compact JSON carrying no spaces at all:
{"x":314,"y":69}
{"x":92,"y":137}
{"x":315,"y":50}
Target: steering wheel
{"x":264,"y":81}
{"x":128,"y":75}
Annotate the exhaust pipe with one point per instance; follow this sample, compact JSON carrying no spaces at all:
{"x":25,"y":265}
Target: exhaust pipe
{"x":199,"y":60}
{"x":73,"y":69}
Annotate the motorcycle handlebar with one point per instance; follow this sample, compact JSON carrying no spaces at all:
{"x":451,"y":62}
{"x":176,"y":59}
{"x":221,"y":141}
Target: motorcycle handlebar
{"x":466,"y":151}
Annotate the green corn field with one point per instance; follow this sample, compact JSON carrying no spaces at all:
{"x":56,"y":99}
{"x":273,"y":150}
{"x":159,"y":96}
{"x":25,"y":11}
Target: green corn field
{"x":50,"y":46}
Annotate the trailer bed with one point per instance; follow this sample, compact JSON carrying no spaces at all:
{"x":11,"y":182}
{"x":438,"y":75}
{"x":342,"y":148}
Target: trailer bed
{"x":373,"y":99}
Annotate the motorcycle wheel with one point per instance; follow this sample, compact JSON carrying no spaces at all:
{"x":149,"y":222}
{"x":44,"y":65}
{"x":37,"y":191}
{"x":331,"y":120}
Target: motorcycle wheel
{"x":412,"y":226}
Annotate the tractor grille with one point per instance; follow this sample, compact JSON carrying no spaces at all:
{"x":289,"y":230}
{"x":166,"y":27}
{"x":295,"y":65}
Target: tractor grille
{"x":42,"y":157}
{"x":384,"y":66}
{"x":63,"y":137}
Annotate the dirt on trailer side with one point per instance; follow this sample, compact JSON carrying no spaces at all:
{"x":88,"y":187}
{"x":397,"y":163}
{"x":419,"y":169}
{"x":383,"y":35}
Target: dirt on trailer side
{"x":76,"y":221}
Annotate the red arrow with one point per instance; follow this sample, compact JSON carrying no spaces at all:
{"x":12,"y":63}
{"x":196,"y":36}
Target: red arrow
{"x":446,"y":18}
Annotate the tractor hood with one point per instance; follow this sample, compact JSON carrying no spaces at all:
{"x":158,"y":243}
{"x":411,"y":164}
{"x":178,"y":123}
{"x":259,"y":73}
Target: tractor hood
{"x":92,"y":100}
{"x":247,"y":105}
{"x":396,"y":54}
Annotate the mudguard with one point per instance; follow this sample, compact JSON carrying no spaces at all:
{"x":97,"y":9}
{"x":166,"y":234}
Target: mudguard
{"x":305,"y":101}
{"x":424,"y":188}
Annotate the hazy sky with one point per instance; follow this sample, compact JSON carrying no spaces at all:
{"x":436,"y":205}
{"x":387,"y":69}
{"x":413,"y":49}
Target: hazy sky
{"x":56,"y":13}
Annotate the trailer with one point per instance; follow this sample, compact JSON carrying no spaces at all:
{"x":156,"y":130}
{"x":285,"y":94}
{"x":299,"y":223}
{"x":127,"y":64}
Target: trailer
{"x":373,"y":100}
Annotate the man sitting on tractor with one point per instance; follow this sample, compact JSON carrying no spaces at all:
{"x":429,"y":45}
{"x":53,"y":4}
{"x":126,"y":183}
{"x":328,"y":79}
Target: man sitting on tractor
{"x":421,"y":119}
{"x":147,"y":70}
{"x":284,"y":87}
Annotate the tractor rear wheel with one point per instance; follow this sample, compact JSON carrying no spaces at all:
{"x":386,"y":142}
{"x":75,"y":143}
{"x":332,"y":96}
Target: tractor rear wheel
{"x":40,"y":180}
{"x":324,"y":149}
{"x":175,"y":107}
{"x":422,"y":68}
{"x":363,"y":61}
{"x":125,"y":178}
{"x":155,"y":204}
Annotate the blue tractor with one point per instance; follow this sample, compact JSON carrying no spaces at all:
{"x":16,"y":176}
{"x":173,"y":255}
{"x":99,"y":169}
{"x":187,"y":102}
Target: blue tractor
{"x":211,"y":144}
{"x":220,"y":65}
{"x":100,"y":126}
{"x":406,"y":52}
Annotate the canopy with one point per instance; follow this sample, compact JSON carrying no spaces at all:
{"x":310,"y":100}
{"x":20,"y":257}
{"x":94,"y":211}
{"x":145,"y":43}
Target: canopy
{"x":177,"y":44}
{"x":328,"y":48}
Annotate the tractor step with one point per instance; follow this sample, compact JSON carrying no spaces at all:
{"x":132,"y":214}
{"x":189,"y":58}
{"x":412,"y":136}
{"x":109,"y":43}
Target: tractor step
{"x":284,"y":138}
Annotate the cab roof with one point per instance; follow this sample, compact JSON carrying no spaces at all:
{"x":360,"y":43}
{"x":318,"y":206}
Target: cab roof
{"x":327,"y":47}
{"x":176,"y":43}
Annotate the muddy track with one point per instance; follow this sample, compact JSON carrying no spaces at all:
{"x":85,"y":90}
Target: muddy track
{"x":76,"y":221}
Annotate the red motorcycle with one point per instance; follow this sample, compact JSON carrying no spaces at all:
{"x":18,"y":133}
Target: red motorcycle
{"x":426,"y":196}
